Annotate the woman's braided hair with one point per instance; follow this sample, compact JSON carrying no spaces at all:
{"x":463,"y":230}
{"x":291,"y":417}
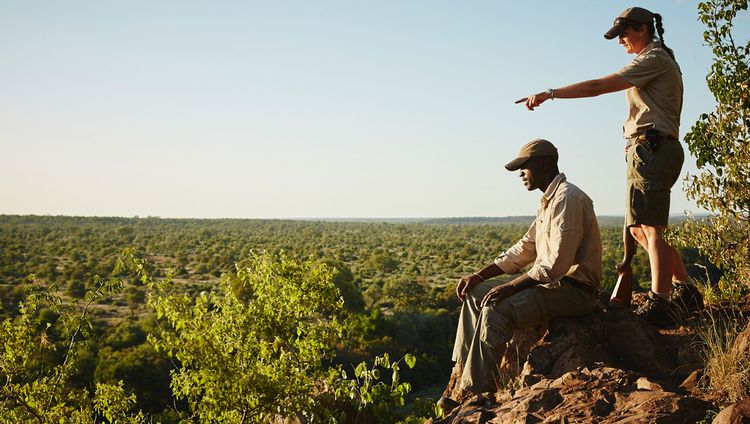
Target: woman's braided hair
{"x":660,"y":33}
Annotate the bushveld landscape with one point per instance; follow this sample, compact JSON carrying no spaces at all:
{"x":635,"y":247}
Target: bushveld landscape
{"x":145,"y":320}
{"x":397,"y":281}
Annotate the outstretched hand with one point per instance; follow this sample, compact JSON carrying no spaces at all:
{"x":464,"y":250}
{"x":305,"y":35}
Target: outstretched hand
{"x":534,"y":100}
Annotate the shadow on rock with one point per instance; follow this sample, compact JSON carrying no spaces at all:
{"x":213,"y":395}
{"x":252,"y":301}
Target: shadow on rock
{"x":609,"y":367}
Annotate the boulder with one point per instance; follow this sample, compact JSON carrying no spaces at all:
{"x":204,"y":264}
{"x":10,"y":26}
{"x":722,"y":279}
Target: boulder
{"x":736,"y":413}
{"x":610,"y":367}
{"x":742,"y":343}
{"x":603,"y":395}
{"x":615,"y":338}
{"x":691,"y":384}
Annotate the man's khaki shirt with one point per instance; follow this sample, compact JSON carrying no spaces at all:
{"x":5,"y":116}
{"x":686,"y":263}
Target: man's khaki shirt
{"x":655,"y":100}
{"x":562,"y":241}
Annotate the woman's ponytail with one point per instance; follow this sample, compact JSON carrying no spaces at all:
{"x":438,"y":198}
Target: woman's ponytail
{"x":660,"y":33}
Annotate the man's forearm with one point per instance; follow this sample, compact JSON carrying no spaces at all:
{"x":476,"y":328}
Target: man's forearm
{"x":490,"y":271}
{"x":524,"y":281}
{"x":504,"y":291}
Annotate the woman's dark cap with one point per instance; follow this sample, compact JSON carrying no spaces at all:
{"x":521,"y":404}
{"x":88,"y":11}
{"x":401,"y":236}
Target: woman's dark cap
{"x":630,"y":16}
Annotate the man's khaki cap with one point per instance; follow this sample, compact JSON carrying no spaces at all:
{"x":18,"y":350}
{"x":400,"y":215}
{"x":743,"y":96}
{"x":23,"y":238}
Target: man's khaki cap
{"x":538,"y":147}
{"x":631,"y":15}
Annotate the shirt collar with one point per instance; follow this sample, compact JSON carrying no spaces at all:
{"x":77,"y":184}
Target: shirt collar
{"x":649,"y":47}
{"x":552,"y":188}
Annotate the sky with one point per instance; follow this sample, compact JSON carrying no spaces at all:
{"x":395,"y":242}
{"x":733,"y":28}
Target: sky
{"x":314,"y":109}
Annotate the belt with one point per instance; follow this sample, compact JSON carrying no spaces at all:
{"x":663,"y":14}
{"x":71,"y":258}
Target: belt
{"x":650,"y":133}
{"x":651,"y":138}
{"x":580,"y":286}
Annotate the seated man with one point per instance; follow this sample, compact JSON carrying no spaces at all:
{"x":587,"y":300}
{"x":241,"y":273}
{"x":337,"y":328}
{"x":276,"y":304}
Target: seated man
{"x":565,"y":250}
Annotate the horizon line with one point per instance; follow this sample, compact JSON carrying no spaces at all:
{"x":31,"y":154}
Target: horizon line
{"x":327,"y":218}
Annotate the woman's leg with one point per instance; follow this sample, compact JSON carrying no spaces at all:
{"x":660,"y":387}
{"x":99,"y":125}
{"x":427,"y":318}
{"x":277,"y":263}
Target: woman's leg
{"x":647,"y":235}
{"x":679,"y":273}
{"x":639,"y":236}
{"x":666,"y":263}
{"x":660,"y":258}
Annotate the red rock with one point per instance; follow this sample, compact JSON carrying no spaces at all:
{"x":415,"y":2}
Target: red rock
{"x":587,"y":370}
{"x":736,"y":413}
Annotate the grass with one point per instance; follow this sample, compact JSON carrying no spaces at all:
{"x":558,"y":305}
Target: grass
{"x":727,"y":367}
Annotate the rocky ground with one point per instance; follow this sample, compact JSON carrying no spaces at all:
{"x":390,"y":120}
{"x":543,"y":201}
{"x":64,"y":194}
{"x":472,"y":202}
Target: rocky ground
{"x":611,"y":367}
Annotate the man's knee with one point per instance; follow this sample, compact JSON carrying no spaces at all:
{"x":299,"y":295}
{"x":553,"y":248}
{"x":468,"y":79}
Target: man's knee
{"x":496,"y":327}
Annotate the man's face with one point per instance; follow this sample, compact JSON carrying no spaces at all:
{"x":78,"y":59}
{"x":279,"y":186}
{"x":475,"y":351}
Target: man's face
{"x":531,"y":173}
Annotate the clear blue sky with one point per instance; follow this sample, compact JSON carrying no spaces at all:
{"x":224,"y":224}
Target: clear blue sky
{"x":288,"y":109}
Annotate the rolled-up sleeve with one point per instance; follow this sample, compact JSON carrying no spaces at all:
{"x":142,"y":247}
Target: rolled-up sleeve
{"x":520,"y":254}
{"x":565,"y":234}
{"x":642,"y":70}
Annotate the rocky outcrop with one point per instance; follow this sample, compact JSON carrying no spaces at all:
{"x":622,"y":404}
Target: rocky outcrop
{"x":601,"y":395}
{"x":611,"y":367}
{"x":736,"y":413}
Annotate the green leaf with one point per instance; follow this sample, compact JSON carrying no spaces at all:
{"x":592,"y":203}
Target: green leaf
{"x":410,"y":360}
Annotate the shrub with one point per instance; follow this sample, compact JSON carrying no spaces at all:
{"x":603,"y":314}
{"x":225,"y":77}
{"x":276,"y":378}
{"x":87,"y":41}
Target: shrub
{"x":720,"y":141}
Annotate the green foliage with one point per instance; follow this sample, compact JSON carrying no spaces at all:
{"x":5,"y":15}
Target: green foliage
{"x":382,"y":262}
{"x":720,"y":140}
{"x":35,"y":384}
{"x":373,"y":397}
{"x":114,"y":404}
{"x":254,"y":358}
{"x":397,"y":281}
{"x":405,"y":293}
{"x":140,"y":370}
{"x":76,"y":289}
{"x":343,"y":279}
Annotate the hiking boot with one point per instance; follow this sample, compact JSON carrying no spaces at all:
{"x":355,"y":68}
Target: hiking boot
{"x":447,"y":404}
{"x":657,"y":311}
{"x":686,"y":297}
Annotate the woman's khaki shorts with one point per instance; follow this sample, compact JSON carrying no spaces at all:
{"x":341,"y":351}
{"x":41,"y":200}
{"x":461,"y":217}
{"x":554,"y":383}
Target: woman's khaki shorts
{"x":650,"y":176}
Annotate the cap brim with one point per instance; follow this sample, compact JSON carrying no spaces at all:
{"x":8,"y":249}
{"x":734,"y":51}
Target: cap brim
{"x":516,"y":164}
{"x":613,"y":32}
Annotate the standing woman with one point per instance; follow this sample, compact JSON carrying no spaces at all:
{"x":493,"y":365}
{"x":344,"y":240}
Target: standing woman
{"x":654,"y":156}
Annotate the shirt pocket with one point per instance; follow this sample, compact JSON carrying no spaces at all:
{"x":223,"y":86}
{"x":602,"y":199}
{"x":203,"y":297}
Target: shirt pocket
{"x":543,"y":225}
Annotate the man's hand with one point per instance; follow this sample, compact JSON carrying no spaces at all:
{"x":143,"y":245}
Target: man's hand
{"x":500,"y":293}
{"x":465,"y":284}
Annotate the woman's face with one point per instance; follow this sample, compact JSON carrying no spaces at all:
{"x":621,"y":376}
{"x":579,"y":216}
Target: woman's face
{"x":634,"y":41}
